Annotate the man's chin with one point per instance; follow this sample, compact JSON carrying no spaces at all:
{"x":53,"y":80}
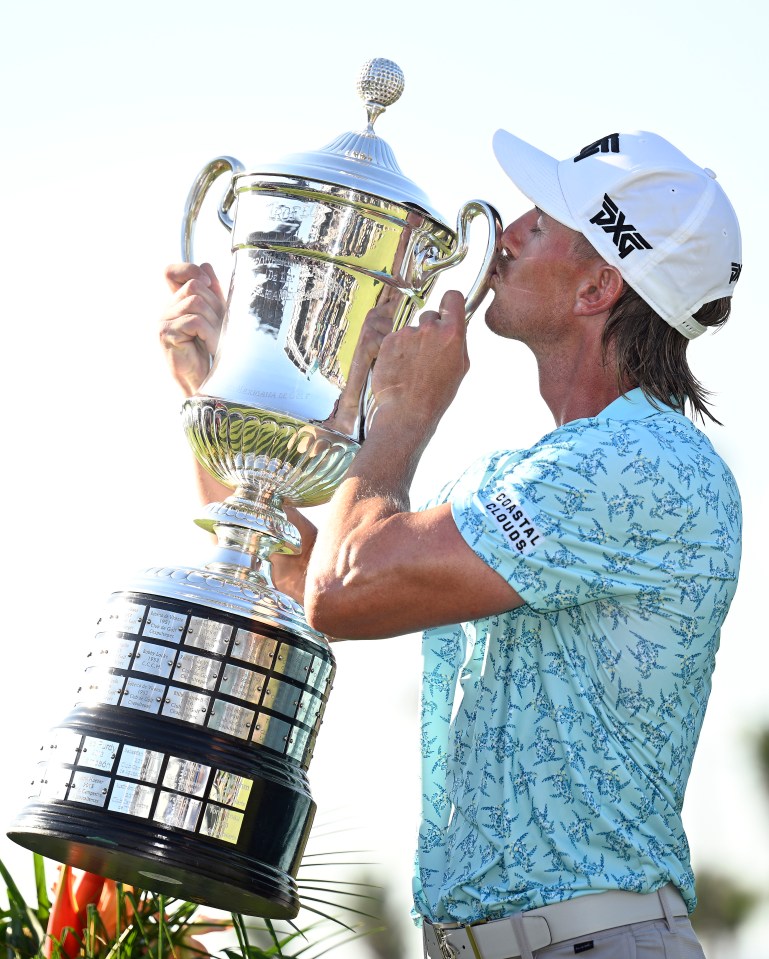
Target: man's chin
{"x":496,"y":324}
{"x":492,"y":320}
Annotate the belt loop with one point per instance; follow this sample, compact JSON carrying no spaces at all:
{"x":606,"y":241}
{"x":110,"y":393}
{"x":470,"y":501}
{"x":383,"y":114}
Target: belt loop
{"x":662,"y":895}
{"x":473,"y":943}
{"x":520,"y":935}
{"x":667,"y":911}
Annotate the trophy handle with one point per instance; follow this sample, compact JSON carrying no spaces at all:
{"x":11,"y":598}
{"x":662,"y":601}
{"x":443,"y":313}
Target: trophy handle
{"x":200,"y":187}
{"x":429,"y":266}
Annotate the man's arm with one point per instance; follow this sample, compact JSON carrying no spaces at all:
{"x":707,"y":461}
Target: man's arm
{"x":377,"y":568}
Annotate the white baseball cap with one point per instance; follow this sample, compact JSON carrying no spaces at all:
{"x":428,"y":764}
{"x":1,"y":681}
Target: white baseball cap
{"x":661,"y":220}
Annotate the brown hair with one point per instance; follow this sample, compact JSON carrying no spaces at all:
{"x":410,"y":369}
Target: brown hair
{"x":649,"y":353}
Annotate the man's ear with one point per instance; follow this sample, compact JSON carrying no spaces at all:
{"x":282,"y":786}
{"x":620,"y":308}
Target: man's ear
{"x":599,"y":290}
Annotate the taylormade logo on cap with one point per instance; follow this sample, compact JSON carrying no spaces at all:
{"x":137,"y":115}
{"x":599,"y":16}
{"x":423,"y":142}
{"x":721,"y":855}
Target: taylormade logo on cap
{"x":663,"y":221}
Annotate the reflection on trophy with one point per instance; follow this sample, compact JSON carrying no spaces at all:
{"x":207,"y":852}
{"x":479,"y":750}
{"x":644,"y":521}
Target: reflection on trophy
{"x":182,"y":766}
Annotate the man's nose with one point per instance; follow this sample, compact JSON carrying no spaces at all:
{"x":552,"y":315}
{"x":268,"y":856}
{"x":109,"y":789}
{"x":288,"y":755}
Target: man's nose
{"x":508,"y":236}
{"x":512,"y":235}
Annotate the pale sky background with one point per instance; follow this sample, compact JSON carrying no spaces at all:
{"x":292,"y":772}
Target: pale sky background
{"x":108,"y":113}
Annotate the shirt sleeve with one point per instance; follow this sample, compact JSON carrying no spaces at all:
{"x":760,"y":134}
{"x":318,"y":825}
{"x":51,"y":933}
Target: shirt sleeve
{"x":546,"y":524}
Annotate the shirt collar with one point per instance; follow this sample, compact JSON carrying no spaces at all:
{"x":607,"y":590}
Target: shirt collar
{"x":634,"y":405}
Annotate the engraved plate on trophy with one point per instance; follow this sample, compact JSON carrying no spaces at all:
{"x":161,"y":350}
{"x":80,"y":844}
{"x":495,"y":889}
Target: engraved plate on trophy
{"x":201,"y":671}
{"x":209,"y":635}
{"x":89,"y":788}
{"x":253,"y":648}
{"x":309,"y":707}
{"x":320,"y":674}
{"x":154,"y":659}
{"x":55,"y":782}
{"x":100,"y":686}
{"x":295,"y":663}
{"x":231,"y":719}
{"x":124,"y":616}
{"x":174,"y":809}
{"x":242,"y":683}
{"x":131,"y":798}
{"x":297,"y":743}
{"x":143,"y":695}
{"x":188,"y":706}
{"x":63,"y":745}
{"x":138,"y":763}
{"x":98,"y":753}
{"x":229,"y":789}
{"x":186,"y":776}
{"x":271,"y":732}
{"x":282,"y":698}
{"x":36,"y":783}
{"x":221,"y":823}
{"x":113,"y":650}
{"x":164,"y":624}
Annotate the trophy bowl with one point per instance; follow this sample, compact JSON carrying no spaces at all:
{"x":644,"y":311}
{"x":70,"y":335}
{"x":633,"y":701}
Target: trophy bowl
{"x":182,"y":766}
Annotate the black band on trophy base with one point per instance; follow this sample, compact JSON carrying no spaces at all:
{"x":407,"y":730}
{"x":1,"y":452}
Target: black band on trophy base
{"x":168,"y":861}
{"x":182,"y":767}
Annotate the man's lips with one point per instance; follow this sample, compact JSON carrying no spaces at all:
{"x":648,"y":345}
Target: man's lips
{"x":501,"y":261}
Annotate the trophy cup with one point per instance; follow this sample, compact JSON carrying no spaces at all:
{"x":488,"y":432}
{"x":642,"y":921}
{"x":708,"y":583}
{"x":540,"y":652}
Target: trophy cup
{"x":182,"y":766}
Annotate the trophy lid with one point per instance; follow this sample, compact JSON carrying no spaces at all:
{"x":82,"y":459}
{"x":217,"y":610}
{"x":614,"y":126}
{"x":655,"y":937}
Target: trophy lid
{"x":363,"y":160}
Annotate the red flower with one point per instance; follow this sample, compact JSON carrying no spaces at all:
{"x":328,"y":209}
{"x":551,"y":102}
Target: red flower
{"x":75,"y":891}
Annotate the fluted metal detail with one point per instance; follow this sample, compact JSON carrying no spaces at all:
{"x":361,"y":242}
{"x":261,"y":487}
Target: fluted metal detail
{"x":367,"y":148}
{"x":267,"y":453}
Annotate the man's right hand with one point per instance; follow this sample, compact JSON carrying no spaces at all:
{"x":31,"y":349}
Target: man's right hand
{"x":191,"y":324}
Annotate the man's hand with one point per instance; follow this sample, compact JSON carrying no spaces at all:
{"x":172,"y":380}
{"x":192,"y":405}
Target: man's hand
{"x":377,"y":325}
{"x":419,"y":368}
{"x":189,"y":333}
{"x":190,"y":326}
{"x":289,"y":572}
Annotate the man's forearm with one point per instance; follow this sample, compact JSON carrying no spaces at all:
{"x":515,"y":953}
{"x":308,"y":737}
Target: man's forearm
{"x":366,"y":550}
{"x":355,"y":550}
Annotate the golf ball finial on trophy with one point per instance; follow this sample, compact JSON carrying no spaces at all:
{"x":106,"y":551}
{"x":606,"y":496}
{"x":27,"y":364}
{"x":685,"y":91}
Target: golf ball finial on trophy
{"x":182,"y":766}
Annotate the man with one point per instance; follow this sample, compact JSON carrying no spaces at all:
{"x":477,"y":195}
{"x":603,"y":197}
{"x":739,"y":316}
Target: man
{"x":572,"y":594}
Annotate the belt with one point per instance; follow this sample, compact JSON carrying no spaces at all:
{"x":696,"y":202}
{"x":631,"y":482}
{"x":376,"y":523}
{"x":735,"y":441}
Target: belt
{"x":519,"y":935}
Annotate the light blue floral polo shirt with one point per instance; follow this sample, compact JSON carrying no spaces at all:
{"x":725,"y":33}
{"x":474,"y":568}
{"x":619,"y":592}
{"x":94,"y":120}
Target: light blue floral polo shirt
{"x":557,"y":739}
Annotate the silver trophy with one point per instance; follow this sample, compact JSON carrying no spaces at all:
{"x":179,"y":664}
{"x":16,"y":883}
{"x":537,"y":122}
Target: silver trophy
{"x":182,"y":767}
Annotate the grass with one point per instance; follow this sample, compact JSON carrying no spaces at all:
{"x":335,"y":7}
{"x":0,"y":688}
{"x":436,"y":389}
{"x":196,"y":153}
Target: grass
{"x":91,"y":918}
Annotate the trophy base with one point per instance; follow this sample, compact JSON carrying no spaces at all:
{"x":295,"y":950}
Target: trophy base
{"x":181,"y":768}
{"x":170,"y":866}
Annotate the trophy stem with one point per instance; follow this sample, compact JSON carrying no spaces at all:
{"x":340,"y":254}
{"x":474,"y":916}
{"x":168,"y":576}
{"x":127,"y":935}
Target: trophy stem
{"x":248,"y":531}
{"x":240,"y":555}
{"x":263,"y":524}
